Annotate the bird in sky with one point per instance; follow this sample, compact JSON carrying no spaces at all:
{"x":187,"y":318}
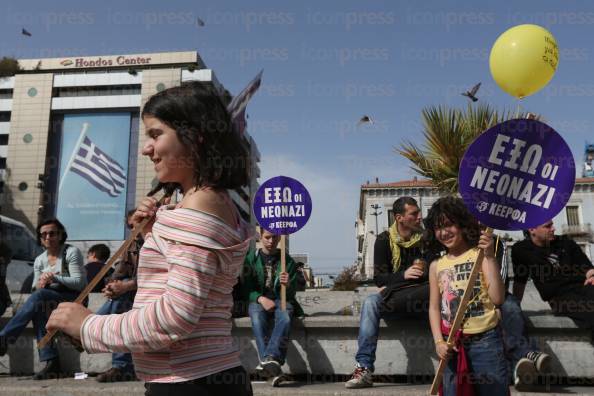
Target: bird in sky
{"x":199,"y":22}
{"x":471,"y":94}
{"x":364,"y":120}
{"x":24,"y":32}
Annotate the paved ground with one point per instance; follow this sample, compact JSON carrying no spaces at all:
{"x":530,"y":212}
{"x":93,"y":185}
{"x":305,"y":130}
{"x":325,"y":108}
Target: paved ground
{"x":24,"y":386}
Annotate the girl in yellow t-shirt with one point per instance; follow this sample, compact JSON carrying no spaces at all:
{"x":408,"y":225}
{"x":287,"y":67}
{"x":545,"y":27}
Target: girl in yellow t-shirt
{"x":480,"y":367}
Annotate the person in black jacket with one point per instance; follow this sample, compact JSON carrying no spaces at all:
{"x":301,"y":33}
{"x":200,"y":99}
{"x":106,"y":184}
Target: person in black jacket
{"x":97,"y":256}
{"x":561,"y":272}
{"x":400,"y":271}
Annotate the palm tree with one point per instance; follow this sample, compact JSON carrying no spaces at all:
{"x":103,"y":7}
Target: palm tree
{"x":448,"y":132}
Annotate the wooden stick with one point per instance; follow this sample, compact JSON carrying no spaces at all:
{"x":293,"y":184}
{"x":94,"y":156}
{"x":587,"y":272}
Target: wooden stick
{"x":460,"y":315}
{"x":104,"y":270}
{"x":283,"y":269}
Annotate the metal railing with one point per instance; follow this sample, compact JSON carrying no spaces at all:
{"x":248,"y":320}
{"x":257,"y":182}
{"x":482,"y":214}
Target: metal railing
{"x":577,"y":229}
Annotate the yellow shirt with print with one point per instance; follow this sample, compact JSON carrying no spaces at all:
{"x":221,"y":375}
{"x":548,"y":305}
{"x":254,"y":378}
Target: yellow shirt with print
{"x":452,"y":278}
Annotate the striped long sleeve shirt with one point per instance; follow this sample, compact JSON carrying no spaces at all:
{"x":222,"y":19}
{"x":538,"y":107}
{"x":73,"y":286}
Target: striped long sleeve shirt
{"x":179,"y":328}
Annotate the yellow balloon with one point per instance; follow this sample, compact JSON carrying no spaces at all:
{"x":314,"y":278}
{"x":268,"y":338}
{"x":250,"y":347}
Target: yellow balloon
{"x":524,"y":59}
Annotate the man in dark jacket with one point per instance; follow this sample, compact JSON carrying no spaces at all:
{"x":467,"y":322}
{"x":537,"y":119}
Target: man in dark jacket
{"x":401,"y":273}
{"x":262,"y":289}
{"x":97,"y":256}
{"x":562,"y":273}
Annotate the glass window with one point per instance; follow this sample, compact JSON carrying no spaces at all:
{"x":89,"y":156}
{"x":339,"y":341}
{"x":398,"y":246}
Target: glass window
{"x":572,"y":216}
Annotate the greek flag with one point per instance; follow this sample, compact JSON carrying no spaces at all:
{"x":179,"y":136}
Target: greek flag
{"x":98,"y":168}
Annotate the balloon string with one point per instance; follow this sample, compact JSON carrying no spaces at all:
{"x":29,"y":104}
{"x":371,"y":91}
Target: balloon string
{"x":518,"y":109}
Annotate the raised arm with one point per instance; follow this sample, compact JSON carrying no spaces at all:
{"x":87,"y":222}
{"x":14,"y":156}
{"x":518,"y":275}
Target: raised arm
{"x":156,"y":325}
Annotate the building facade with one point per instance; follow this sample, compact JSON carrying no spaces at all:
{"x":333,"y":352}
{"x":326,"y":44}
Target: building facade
{"x":39,"y":103}
{"x":375,"y":215}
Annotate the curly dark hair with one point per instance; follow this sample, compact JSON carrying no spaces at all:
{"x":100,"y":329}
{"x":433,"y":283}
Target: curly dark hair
{"x":218,"y":154}
{"x":452,"y":209}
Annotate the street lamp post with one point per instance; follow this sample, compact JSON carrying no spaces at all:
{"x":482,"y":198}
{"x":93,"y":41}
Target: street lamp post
{"x":376,"y":214}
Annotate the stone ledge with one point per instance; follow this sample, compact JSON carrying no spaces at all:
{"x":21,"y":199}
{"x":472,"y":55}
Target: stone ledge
{"x":325,"y":342}
{"x":535,"y":321}
{"x":323,"y":310}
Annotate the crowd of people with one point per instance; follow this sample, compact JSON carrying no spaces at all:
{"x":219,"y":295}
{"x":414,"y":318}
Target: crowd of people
{"x":169,"y":300}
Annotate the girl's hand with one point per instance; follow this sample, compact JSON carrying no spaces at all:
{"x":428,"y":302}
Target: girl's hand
{"x":68,"y":318}
{"x":444,"y":351}
{"x":487,"y":244}
{"x":146,"y":208}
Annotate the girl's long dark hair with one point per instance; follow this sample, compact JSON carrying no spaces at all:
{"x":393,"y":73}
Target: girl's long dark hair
{"x":454,"y":210}
{"x":217,"y":152}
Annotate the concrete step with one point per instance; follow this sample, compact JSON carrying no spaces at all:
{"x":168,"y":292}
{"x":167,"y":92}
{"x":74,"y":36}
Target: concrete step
{"x":325,"y":343}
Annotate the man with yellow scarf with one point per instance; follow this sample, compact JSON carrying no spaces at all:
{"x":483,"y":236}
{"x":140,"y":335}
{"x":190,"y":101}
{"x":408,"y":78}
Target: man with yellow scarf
{"x":400,"y":271}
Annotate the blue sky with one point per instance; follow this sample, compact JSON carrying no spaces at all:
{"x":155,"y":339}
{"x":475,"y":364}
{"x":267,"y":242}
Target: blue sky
{"x":325,"y":65}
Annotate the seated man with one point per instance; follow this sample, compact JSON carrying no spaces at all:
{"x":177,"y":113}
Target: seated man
{"x":561,"y":272}
{"x":261,"y":287}
{"x":97,"y":256}
{"x":401,"y":273}
{"x":522,"y":355}
{"x":120,"y":290}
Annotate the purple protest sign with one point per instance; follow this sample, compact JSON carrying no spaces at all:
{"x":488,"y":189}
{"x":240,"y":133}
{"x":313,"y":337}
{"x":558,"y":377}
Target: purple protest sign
{"x":282,"y":205}
{"x":517,"y":175}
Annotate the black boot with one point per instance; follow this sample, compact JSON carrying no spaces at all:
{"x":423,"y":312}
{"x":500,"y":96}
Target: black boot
{"x":50,"y":371}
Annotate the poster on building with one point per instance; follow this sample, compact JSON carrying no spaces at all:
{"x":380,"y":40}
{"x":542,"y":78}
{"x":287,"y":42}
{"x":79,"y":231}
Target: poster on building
{"x":93,"y":175}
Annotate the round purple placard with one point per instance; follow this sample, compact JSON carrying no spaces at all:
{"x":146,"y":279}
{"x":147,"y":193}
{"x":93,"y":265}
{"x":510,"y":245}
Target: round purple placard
{"x":517,"y":175}
{"x":282,"y":205}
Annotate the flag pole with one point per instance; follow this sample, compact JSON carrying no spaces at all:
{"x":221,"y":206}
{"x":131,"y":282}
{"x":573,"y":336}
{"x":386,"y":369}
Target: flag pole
{"x":83,"y":131}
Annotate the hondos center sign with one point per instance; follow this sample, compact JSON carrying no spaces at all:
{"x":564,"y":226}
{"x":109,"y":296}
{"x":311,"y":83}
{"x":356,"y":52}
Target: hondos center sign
{"x":107,"y":61}
{"x":517,"y":175}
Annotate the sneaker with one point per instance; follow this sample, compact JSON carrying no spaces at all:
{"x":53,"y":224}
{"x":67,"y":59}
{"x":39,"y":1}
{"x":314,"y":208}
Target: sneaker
{"x":525,"y":375}
{"x":271,"y":367}
{"x":50,"y":371}
{"x":115,"y":374}
{"x":361,"y":378}
{"x":541,"y":361}
{"x":277,"y":381}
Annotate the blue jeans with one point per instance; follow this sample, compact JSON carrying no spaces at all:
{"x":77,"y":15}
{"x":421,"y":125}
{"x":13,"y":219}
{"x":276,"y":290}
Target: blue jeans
{"x":369,"y":330}
{"x":517,"y":345}
{"x":488,"y":368}
{"x":119,"y":360}
{"x":271,"y":342}
{"x":37,"y":308}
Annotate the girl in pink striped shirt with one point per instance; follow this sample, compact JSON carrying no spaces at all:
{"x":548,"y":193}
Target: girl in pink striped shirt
{"x":179,"y":329}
